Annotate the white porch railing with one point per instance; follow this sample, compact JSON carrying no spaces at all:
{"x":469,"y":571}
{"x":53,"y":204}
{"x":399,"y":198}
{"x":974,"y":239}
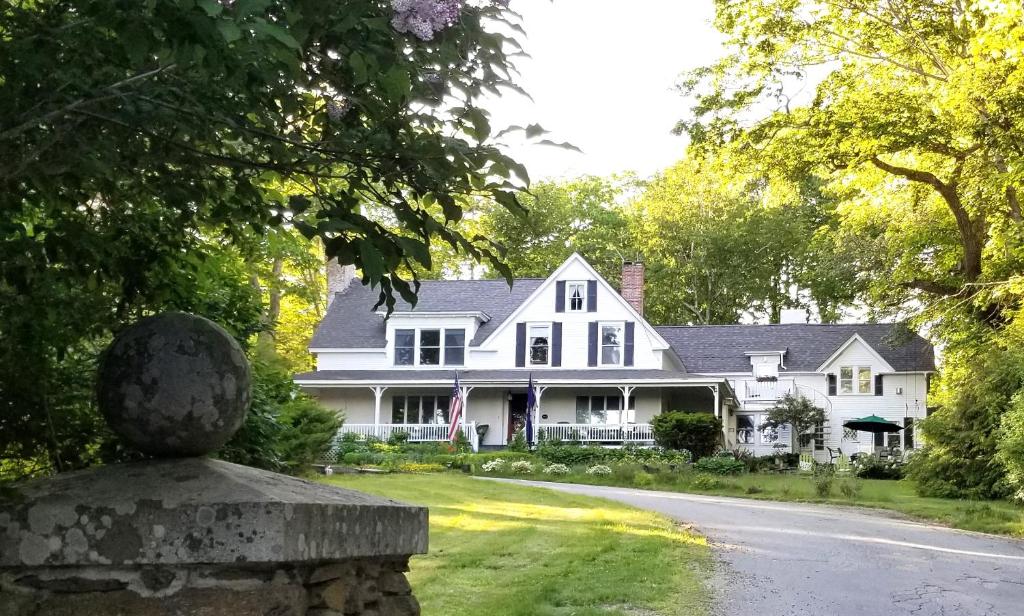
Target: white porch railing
{"x":598,"y":433}
{"x":418,"y":433}
{"x":766,"y":391}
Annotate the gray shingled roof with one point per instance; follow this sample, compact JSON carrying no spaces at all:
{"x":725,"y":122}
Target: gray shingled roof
{"x":721,"y":348}
{"x":351,"y":322}
{"x":522,"y":374}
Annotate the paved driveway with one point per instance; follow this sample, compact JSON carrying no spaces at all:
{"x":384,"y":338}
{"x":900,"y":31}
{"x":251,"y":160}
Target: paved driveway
{"x":789,"y":559}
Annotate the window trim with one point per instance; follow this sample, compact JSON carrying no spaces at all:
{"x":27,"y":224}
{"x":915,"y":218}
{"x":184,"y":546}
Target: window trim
{"x":529,"y":343}
{"x":600,"y":342}
{"x":439,"y":347}
{"x":855,"y":381}
{"x":395,"y":347}
{"x":569,"y":284}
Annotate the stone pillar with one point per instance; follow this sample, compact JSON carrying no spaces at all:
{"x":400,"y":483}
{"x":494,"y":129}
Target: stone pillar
{"x":339,"y":277}
{"x":182,"y":534}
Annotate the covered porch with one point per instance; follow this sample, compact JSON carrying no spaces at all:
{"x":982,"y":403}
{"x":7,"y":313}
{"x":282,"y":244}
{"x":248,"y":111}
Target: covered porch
{"x":605,"y":407}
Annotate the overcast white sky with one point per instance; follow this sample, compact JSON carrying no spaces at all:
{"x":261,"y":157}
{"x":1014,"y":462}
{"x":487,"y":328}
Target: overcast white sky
{"x":602,"y":77}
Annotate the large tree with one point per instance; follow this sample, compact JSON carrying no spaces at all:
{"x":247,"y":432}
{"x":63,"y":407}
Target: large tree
{"x":915,"y":107}
{"x":144,"y":144}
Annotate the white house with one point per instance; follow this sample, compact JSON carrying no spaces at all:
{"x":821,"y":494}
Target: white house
{"x":601,"y":372}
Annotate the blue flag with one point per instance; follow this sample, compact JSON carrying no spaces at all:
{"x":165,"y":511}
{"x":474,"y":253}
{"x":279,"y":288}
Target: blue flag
{"x":531,"y":403}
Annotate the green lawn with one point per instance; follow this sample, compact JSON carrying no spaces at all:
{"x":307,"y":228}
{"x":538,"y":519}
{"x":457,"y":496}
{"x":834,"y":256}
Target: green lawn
{"x":504,"y":549}
{"x":1000,"y":517}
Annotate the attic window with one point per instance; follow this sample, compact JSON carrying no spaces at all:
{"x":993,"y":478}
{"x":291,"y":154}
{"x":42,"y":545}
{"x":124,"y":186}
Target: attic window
{"x":576,"y":294}
{"x":849,"y":384}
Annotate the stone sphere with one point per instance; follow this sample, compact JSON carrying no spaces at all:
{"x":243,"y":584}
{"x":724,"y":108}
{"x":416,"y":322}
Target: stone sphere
{"x":174,"y":385}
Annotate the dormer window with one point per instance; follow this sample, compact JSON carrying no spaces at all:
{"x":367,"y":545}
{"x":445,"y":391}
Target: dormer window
{"x":576,"y":296}
{"x":424,"y":347}
{"x":539,"y":339}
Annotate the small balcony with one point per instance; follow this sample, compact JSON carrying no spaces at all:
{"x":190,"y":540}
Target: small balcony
{"x":754,"y":391}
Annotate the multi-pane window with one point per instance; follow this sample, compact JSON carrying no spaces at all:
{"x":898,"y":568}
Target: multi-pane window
{"x":604,"y":410}
{"x":611,"y":344}
{"x":423,"y":347}
{"x":430,"y":347}
{"x":855,"y":379}
{"x":419,"y":410}
{"x":539,"y":339}
{"x":405,"y":347}
{"x":745,"y":429}
{"x":454,"y":347}
{"x":576,"y":293}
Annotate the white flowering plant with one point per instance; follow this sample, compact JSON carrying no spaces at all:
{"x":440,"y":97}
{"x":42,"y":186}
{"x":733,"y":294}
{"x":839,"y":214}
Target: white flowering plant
{"x":599,"y":469}
{"x":494,"y":466}
{"x":557,"y":469}
{"x":522,"y":467}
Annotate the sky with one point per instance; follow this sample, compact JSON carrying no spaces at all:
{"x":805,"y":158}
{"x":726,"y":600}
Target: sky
{"x":602,"y":76}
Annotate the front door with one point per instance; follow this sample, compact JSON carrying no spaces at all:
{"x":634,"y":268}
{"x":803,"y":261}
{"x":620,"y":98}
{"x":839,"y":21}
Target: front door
{"x":516,"y":415}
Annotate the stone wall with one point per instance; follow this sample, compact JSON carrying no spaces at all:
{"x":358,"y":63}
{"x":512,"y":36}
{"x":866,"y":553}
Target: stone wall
{"x":363,"y":586}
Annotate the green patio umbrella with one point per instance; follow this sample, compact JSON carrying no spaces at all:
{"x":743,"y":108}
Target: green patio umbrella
{"x":873,"y":424}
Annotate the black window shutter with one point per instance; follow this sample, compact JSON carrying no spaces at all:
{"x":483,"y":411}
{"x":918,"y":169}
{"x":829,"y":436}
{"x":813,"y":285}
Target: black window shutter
{"x":560,"y":296}
{"x":520,"y":345}
{"x":630,"y":334}
{"x":908,"y":433}
{"x":591,"y":296}
{"x":831,"y":384}
{"x":556,"y":344}
{"x":878,"y":384}
{"x":592,"y":344}
{"x":879,"y":439}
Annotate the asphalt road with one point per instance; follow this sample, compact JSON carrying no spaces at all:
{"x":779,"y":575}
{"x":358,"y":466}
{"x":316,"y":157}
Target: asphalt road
{"x":790,"y":559}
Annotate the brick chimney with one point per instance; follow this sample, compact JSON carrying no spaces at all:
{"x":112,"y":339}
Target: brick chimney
{"x":338,"y":278}
{"x":633,"y":284}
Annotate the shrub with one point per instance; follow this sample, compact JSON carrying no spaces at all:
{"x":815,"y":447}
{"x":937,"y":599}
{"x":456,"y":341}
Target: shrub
{"x":720,"y":465}
{"x":698,"y":433}
{"x":398,"y":437}
{"x":1011,"y":446}
{"x":643,"y":480}
{"x":599,"y":469}
{"x":871,"y":467}
{"x":521,"y":467}
{"x":625,"y":473}
{"x":519,"y":443}
{"x":824,"y":475}
{"x":849,"y":488}
{"x":560,"y":452}
{"x":493,"y":466}
{"x":798,"y":412}
{"x":557,"y":469}
{"x":706,"y":482}
{"x":753,"y":490}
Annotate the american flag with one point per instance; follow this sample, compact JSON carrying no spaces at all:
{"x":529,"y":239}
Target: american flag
{"x":455,"y":410}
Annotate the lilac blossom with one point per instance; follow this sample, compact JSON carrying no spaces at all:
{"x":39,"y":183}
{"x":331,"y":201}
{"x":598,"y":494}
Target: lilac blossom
{"x":424,"y":18}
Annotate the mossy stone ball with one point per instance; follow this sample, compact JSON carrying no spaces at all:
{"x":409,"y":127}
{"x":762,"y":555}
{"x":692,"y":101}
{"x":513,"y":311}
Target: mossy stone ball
{"x":174,"y":385}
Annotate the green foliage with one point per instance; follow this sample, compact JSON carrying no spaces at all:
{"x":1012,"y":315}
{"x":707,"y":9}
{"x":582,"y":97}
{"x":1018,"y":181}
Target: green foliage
{"x":285,"y":430}
{"x":873,"y":467}
{"x":850,"y":488}
{"x":719,"y":465}
{"x":824,"y":475}
{"x":698,"y":433}
{"x":583,"y":215}
{"x":308,"y":429}
{"x":150,"y":149}
{"x":1011,"y":445}
{"x":519,"y":443}
{"x":960,"y":458}
{"x":798,"y":412}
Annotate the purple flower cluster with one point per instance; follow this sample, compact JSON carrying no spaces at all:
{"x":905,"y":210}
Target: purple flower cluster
{"x":424,"y":18}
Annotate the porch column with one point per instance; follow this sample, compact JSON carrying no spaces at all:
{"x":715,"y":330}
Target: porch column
{"x":378,"y":393}
{"x":627,"y":391}
{"x":539,"y":391}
